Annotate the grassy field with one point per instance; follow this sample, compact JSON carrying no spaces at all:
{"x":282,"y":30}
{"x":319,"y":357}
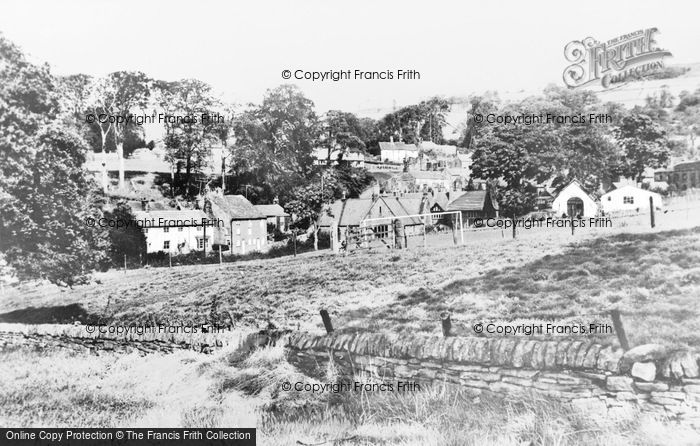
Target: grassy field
{"x":652,"y":277}
{"x":185,"y":389}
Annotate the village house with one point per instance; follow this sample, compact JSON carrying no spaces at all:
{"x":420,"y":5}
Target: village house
{"x":629,"y":198}
{"x":348,"y":216}
{"x":397,"y":152}
{"x":683,"y":175}
{"x":425,"y":180}
{"x":474,"y":204}
{"x":350,"y":157}
{"x":175,"y":231}
{"x":276,"y":217}
{"x":572,"y":201}
{"x":245,"y":227}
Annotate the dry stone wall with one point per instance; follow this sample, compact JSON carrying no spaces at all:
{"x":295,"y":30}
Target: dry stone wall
{"x":590,"y":376}
{"x":79,"y":338}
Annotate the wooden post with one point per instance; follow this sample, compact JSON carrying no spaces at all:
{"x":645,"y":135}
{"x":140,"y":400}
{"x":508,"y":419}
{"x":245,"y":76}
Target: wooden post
{"x":205,"y":243}
{"x":651,"y":211}
{"x":446,"y":324}
{"x":619,"y":329}
{"x":170,"y":258}
{"x":425,"y":237}
{"x":124,"y":263}
{"x":294,"y":233}
{"x":454,"y":229}
{"x":461,"y":228}
{"x":572,"y":225}
{"x":220,"y":262}
{"x":326,"y":321}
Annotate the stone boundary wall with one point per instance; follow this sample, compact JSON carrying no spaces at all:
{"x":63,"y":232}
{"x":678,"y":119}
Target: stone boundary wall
{"x":78,"y":338}
{"x":589,"y":376}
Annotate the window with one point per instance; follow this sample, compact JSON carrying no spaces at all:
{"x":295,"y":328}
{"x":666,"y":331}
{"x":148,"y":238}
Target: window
{"x":609,"y":198}
{"x":179,"y":229}
{"x":166,"y":244}
{"x":628,"y":200}
{"x":199,"y":229}
{"x":201,"y":243}
{"x":238,"y":242}
{"x":166,"y":229}
{"x":145,"y":230}
{"x":238,"y":229}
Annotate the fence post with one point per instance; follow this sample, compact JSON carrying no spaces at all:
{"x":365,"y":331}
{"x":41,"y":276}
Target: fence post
{"x":124,"y":263}
{"x":572,"y":225}
{"x":425,"y":239}
{"x":446,"y":324}
{"x":651,"y":210}
{"x":619,"y":329}
{"x":326,"y":321}
{"x":170,"y":258}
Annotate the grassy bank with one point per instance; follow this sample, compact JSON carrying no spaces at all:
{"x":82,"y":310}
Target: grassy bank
{"x":653,"y":278}
{"x":58,"y":389}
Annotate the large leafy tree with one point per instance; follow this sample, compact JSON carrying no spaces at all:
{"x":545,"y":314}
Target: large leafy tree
{"x":44,"y":195}
{"x":309,"y":200}
{"x":644,"y":144}
{"x":275,"y":141}
{"x":415,"y":123}
{"x":189,"y":140}
{"x":341,"y":131}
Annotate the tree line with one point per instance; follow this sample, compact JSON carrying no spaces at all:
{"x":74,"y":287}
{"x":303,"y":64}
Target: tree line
{"x":46,"y":195}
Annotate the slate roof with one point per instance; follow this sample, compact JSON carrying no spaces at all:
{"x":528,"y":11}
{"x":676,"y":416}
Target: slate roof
{"x":271,"y":210}
{"x":474,"y":200}
{"x":383,"y":145}
{"x":352,"y":211}
{"x":234,"y":207}
{"x":188,"y":217}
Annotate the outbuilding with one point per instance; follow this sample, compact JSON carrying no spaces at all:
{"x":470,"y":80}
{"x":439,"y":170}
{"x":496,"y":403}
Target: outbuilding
{"x":629,"y":198}
{"x":573,"y":201}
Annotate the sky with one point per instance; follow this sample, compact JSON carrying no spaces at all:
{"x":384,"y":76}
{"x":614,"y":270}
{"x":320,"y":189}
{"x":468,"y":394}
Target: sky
{"x":241,"y":48}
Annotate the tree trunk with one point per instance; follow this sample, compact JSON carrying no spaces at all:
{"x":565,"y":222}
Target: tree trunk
{"x":120,"y":155}
{"x":513,"y":220}
{"x":188,"y":170}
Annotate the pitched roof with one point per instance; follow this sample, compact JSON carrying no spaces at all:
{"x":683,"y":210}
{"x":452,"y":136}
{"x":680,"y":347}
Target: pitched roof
{"x":169,"y":218}
{"x":352,"y":211}
{"x":271,"y":210}
{"x":396,"y":146}
{"x":234,"y":207}
{"x":346,"y":212}
{"x":473,"y":200}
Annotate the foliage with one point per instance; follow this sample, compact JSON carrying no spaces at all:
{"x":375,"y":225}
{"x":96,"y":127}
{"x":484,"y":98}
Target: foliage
{"x":128,"y":241}
{"x":275,"y":142}
{"x":415,"y":123}
{"x":44,"y":194}
{"x":188,"y":140}
{"x":644,"y":144}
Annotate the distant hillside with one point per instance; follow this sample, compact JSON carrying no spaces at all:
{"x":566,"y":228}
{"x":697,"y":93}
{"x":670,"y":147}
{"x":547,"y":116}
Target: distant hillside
{"x":628,"y":94}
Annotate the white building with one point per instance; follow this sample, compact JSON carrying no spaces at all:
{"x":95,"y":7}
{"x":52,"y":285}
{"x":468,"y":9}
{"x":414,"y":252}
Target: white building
{"x":629,"y":198}
{"x":573,"y":201}
{"x":397,"y":152}
{"x":174,"y":231}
